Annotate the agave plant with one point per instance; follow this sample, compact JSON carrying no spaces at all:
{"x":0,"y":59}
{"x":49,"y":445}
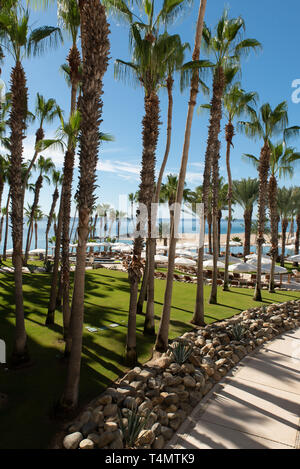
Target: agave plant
{"x":181,"y":352}
{"x":238,"y":332}
{"x":135,"y":424}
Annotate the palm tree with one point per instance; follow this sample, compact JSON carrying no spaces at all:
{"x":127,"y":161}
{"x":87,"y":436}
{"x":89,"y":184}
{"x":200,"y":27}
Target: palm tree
{"x":19,"y":39}
{"x":46,"y":112}
{"x":285,"y":207}
{"x":174,"y":63}
{"x":161,"y":343}
{"x":95,"y":50}
{"x":196,"y":198}
{"x":45,"y":166}
{"x":245,"y":194}
{"x":282,"y":159}
{"x":222,"y":205}
{"x":38,"y":216}
{"x":265,"y":124}
{"x":56,"y":180}
{"x":150,"y":54}
{"x":227,"y":47}
{"x":296,"y":199}
{"x":236,"y":102}
{"x":119,"y":216}
{"x":66,"y":138}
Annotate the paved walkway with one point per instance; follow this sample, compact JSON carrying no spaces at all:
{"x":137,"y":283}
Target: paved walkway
{"x":256,"y":406}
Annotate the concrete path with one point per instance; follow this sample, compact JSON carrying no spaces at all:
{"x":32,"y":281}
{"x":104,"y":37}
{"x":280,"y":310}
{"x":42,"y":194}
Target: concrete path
{"x":256,"y":406}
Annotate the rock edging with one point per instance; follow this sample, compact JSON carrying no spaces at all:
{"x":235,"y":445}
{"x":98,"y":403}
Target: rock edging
{"x":166,"y":391}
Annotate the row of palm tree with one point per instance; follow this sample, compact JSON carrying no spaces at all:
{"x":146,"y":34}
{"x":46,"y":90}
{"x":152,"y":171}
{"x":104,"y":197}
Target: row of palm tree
{"x":156,"y":56}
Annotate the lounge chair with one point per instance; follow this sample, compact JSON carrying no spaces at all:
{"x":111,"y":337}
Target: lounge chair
{"x":296,"y":274}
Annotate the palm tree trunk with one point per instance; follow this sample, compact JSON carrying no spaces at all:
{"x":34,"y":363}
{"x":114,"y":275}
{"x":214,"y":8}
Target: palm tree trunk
{"x":74,"y":63}
{"x":143,"y":290}
{"x":264,"y":163}
{"x":229,"y":130}
{"x":38,"y":186}
{"x":150,"y":137}
{"x":216,"y":116}
{"x":50,"y":216}
{"x":297,"y":234}
{"x":209,"y":223}
{"x":95,"y":50}
{"x":247,"y":223}
{"x":284,"y":225}
{"x":18,"y":125}
{"x":274,"y":228}
{"x":149,"y":319}
{"x":6,"y":224}
{"x":161,"y":343}
{"x":52,"y":300}
{"x":198,"y":318}
{"x":66,"y":207}
{"x":1,"y":227}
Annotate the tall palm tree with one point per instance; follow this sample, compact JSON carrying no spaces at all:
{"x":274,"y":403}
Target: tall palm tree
{"x":38,"y":216}
{"x":46,"y":111}
{"x":265,"y":123}
{"x":19,"y":39}
{"x":227,"y":46}
{"x":282,"y":160}
{"x":95,"y":51}
{"x":161,"y":343}
{"x":150,"y":54}
{"x":245,"y":194}
{"x":3,"y":214}
{"x":174,"y":63}
{"x":236,"y":103}
{"x":285,"y":207}
{"x":296,"y":199}
{"x":45,"y":166}
{"x":56,"y":178}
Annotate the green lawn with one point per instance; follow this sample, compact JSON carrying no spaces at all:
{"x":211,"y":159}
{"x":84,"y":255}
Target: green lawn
{"x":33,"y":391}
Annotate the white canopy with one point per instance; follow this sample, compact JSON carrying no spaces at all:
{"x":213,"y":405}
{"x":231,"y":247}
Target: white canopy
{"x":210,"y":263}
{"x":295,"y":258}
{"x":242,"y":268}
{"x":185,"y":261}
{"x":93,"y":244}
{"x":159,"y":258}
{"x":37,"y":251}
{"x":231,"y":259}
{"x":232,"y":244}
{"x":252,"y":258}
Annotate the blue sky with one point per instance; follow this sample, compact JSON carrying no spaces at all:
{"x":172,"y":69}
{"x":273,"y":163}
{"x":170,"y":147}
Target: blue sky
{"x":270,"y":73}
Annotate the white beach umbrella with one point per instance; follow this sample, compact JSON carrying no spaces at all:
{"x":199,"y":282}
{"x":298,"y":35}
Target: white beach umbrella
{"x":9,"y":251}
{"x":253,"y":259}
{"x":180,"y":246}
{"x":93,"y":244}
{"x":181,"y":252}
{"x":210,"y":263}
{"x":163,"y":248}
{"x":38,"y":251}
{"x":190,"y":245}
{"x":295,"y":258}
{"x":159,"y":258}
{"x":267,"y":245}
{"x":290,"y":247}
{"x":125,"y":249}
{"x":231,"y":259}
{"x":232,"y":244}
{"x":278,"y":270}
{"x":185,"y":261}
{"x":242,"y":268}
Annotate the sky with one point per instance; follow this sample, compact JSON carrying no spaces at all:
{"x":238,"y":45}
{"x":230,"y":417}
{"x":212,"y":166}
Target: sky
{"x":269,"y":72}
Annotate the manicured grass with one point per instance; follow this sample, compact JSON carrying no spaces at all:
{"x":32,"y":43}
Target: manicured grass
{"x":33,"y":391}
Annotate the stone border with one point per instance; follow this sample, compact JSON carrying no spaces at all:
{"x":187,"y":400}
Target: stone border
{"x":169,"y":392}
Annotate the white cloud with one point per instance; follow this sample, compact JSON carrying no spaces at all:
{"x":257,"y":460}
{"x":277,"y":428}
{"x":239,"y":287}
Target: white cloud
{"x":193,"y":178}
